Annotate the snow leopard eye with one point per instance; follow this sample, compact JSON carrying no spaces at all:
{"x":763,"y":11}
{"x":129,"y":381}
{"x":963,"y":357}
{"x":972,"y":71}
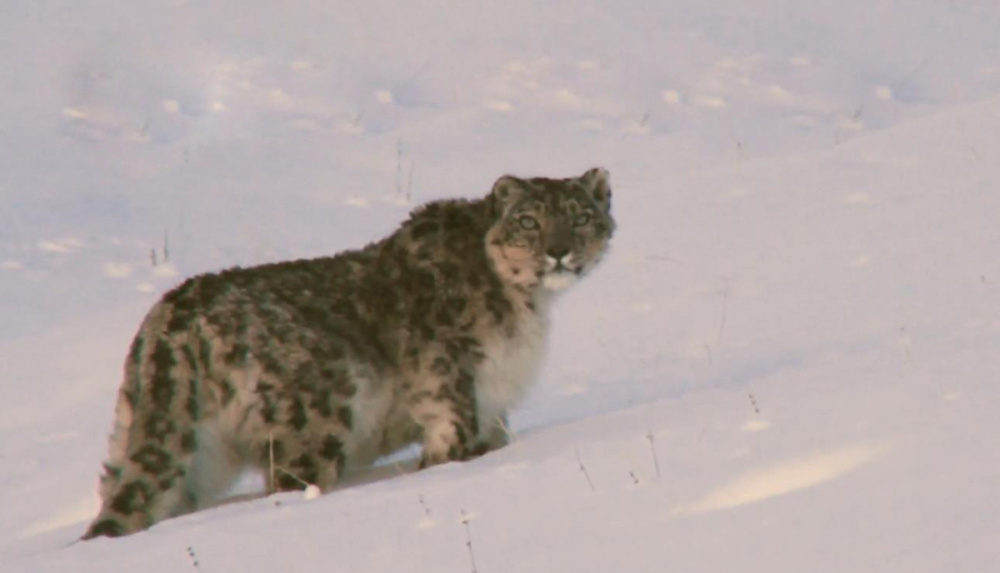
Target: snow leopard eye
{"x":528,"y":222}
{"x":581,"y":219}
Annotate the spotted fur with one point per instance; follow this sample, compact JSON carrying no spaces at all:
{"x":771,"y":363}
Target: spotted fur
{"x":429,"y":336}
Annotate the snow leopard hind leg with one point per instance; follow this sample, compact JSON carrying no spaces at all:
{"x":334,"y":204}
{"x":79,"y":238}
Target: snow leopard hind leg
{"x":154,"y":440}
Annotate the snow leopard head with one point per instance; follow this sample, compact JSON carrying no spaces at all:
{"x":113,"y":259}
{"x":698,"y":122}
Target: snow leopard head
{"x":549,"y":232}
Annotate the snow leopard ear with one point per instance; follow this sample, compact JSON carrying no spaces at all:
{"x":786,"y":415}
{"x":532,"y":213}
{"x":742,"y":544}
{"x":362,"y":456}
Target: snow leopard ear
{"x":598,"y":184}
{"x":506,"y":191}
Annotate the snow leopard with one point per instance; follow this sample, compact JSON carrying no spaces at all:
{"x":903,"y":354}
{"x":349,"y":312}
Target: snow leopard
{"x":305,"y":369}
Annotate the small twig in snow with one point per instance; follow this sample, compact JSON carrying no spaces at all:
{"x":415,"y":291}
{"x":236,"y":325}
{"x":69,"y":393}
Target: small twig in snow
{"x":753,"y":402}
{"x":468,"y":541}
{"x":399,"y":469}
{"x":423,"y":504}
{"x":583,"y":469}
{"x":725,"y":309}
{"x":274,"y":467}
{"x":194,"y":559}
{"x":701,"y":434}
{"x":304,"y":483}
{"x":506,"y":430}
{"x":907,"y":344}
{"x":409,"y":182}
{"x":652,"y":448}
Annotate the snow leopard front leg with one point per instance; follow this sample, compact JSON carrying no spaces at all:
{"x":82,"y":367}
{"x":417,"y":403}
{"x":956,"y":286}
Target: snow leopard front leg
{"x":494,"y":436}
{"x":443,"y":405}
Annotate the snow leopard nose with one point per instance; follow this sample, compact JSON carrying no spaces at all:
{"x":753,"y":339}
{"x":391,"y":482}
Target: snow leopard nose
{"x":559,"y":242}
{"x":557,"y":252}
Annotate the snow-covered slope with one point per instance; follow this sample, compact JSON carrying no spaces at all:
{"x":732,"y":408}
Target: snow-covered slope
{"x":788,"y":363}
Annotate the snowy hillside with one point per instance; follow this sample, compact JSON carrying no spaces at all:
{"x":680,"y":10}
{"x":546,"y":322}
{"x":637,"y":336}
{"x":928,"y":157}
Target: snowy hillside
{"x":789,"y":362}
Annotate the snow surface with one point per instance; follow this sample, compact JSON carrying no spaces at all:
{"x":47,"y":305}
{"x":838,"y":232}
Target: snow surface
{"x":789,"y":362}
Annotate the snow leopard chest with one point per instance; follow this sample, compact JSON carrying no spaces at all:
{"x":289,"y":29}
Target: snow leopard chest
{"x":509,"y":368}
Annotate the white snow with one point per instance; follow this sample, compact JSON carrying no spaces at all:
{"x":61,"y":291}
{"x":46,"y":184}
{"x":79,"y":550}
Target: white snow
{"x":671,"y":96}
{"x":787,"y":362}
{"x":117,"y":270}
{"x":883,"y":93}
